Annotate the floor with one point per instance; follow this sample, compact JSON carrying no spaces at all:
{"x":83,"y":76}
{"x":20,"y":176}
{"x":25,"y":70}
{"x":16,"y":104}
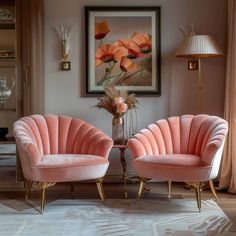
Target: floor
{"x":112,"y":190}
{"x":115,"y":190}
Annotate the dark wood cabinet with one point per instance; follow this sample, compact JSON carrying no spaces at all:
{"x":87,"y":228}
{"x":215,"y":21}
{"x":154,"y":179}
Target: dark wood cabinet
{"x":21,"y":61}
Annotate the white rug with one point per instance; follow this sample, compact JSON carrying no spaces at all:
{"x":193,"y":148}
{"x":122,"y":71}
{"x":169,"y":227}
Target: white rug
{"x":116,"y":217}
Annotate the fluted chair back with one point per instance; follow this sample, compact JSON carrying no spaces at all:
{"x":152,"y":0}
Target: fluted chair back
{"x":59,"y":149}
{"x":200,"y":135}
{"x":185,"y":148}
{"x":54,"y":134}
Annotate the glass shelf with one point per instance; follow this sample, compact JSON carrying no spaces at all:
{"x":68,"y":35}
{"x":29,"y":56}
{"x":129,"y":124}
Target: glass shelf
{"x":8,"y":109}
{"x":8,"y":58}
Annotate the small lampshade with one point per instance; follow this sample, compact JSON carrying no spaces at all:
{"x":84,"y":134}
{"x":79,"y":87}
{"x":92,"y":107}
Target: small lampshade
{"x":199,"y":46}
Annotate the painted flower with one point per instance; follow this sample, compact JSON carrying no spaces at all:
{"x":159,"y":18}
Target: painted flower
{"x":133,"y":49}
{"x":109,"y":52}
{"x":118,"y":100}
{"x":143,"y":41}
{"x":127,"y":65}
{"x":121,"y":107}
{"x":101,"y":29}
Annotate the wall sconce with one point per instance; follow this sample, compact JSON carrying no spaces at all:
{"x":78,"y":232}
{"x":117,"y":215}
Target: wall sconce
{"x":65,"y":65}
{"x":65,"y":37}
{"x":193,"y":65}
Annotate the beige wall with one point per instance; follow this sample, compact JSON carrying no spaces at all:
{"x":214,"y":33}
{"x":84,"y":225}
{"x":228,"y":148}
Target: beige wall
{"x":179,"y":86}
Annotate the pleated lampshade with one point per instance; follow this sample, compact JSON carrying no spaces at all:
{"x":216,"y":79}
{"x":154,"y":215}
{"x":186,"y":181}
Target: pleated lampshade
{"x":199,"y":46}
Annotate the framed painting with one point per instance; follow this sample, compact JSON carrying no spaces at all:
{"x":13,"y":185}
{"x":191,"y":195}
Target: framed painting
{"x":123,"y":47}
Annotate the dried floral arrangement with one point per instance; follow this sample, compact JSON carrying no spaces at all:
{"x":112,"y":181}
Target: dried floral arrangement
{"x":116,"y":102}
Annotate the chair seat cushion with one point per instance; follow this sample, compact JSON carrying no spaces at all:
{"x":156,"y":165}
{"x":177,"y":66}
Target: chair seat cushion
{"x":67,"y":160}
{"x":70,"y":167}
{"x":176,"y":167}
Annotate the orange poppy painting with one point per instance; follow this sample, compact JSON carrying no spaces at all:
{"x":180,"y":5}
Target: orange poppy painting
{"x":123,"y":48}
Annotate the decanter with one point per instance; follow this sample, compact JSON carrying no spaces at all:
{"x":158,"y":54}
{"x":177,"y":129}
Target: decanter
{"x":5,"y":91}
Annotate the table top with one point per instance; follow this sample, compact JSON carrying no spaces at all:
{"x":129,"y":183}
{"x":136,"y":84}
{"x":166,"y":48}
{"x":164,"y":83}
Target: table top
{"x":120,"y":146}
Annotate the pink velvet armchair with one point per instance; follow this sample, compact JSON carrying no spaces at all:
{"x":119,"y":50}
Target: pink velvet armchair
{"x":186,"y":149}
{"x":58,"y":149}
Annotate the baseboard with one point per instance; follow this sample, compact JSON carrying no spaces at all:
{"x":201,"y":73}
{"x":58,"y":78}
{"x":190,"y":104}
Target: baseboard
{"x":11,"y":185}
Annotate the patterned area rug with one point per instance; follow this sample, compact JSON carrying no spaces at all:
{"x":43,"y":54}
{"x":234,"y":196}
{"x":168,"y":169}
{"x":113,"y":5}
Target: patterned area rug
{"x":118,"y":217}
{"x":8,"y":148}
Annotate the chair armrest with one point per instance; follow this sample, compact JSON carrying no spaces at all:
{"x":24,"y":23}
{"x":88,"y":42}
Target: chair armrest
{"x":139,"y":145}
{"x":29,"y":150}
{"x":94,"y":142}
{"x":102,"y":146}
{"x":212,"y":156}
{"x":214,"y":145}
{"x":210,"y":151}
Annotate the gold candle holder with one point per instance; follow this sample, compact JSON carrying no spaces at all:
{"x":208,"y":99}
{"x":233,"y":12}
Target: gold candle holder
{"x":65,"y":50}
{"x":65,"y":64}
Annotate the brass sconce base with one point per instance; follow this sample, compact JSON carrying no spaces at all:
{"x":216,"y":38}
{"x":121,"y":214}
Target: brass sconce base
{"x":65,"y":65}
{"x":193,"y":65}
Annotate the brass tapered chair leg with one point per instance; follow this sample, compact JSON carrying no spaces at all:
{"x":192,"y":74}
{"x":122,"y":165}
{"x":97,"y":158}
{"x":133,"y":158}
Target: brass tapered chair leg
{"x":169,"y":188}
{"x":213,"y":189}
{"x":100,"y":188}
{"x":198,"y":195}
{"x":141,"y":187}
{"x":43,"y":197}
{"x":29,"y":186}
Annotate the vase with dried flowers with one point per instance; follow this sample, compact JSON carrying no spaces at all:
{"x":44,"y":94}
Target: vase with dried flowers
{"x":117,"y":103}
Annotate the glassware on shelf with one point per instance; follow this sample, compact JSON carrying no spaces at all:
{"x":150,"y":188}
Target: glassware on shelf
{"x":5,"y":91}
{"x":7,"y":13}
{"x":7,"y":54}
